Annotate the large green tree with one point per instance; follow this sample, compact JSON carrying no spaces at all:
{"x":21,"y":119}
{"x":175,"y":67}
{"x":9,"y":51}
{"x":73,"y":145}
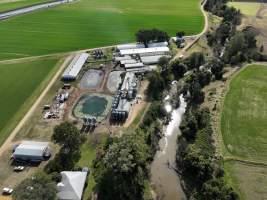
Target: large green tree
{"x":67,"y":136}
{"x":38,"y":187}
{"x":120,"y":170}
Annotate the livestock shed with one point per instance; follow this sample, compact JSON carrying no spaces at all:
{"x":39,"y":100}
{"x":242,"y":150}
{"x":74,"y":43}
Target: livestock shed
{"x":130,"y":61}
{"x":146,"y":51}
{"x":158,"y":44}
{"x":75,"y":67}
{"x":121,"y":58}
{"x":149,"y":60}
{"x":134,"y":65}
{"x":32,"y":151}
{"x":130,"y":46}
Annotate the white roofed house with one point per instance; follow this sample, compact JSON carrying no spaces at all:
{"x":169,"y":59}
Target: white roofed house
{"x":31,"y":151}
{"x":72,"y":185}
{"x":75,"y":67}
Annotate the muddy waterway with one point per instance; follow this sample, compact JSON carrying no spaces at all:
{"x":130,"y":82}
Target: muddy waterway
{"x":164,"y":179}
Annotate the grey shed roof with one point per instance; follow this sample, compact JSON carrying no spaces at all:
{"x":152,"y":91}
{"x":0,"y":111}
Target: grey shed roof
{"x":71,"y":185}
{"x":31,"y":148}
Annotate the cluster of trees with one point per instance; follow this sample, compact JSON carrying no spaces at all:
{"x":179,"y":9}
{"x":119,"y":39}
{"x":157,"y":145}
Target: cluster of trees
{"x":43,"y":184}
{"x":229,"y":45}
{"x":120,"y":169}
{"x":69,"y":138}
{"x":39,"y":186}
{"x":195,"y":155}
{"x":154,"y":35}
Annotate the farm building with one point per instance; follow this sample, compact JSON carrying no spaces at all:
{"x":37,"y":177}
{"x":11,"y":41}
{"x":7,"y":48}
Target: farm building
{"x":121,"y":58}
{"x":158,"y":44}
{"x":134,"y":65}
{"x":32,"y":151}
{"x":75,"y":67}
{"x":130,"y":46}
{"x":123,"y":100}
{"x":146,"y":51}
{"x":130,"y":61}
{"x":150,"y":60}
{"x":71,"y":185}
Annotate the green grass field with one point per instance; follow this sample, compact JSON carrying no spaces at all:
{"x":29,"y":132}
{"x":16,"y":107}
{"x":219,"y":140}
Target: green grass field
{"x":20,"y":85}
{"x":93,"y":23}
{"x":250,"y":181}
{"x":244,"y":116}
{"x":5,"y":5}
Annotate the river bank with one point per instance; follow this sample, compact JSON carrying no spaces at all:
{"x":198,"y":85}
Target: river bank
{"x":164,"y":178}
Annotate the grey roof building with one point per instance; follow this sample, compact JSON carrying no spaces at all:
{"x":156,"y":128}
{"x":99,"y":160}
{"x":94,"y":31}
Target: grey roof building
{"x":31,"y":151}
{"x":72,"y":185}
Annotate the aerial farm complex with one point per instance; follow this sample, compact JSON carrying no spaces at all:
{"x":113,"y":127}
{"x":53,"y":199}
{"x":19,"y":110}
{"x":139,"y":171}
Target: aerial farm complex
{"x":133,"y":100}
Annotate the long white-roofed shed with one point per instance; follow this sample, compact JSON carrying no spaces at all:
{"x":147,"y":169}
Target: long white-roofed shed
{"x":146,"y":51}
{"x":158,"y":44}
{"x":149,"y":60}
{"x":31,"y":151}
{"x":130,"y":46}
{"x":75,"y":67}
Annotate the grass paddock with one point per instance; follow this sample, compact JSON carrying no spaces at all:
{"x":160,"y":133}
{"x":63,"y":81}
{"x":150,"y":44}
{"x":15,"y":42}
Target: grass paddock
{"x":93,"y":23}
{"x":244,"y":115}
{"x":20,"y":85}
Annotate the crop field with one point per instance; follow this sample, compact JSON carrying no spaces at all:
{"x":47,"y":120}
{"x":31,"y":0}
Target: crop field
{"x":20,"y":85}
{"x":93,"y":23}
{"x":244,"y":115}
{"x":10,"y":5}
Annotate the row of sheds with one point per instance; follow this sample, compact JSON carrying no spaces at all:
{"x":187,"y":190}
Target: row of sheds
{"x":137,"y":58}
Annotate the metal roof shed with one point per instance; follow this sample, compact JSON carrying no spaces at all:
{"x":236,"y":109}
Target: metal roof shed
{"x":75,"y":66}
{"x":130,"y":46}
{"x":158,"y":44}
{"x":153,"y":51}
{"x":130,"y":61}
{"x":31,"y":151}
{"x":135,"y":65}
{"x":149,"y":60}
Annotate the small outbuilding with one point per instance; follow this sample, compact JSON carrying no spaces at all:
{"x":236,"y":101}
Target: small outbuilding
{"x":72,"y":185}
{"x":31,"y":151}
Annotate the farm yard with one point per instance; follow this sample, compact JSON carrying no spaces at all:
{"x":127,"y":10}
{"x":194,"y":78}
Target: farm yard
{"x":90,"y":23}
{"x":20,"y":84}
{"x":244,"y":132}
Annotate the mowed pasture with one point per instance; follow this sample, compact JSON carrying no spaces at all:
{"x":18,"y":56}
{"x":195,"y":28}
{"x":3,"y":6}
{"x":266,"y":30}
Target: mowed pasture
{"x":244,"y":114}
{"x":20,"y":85}
{"x":249,"y":180}
{"x":92,"y":23}
{"x":11,"y":5}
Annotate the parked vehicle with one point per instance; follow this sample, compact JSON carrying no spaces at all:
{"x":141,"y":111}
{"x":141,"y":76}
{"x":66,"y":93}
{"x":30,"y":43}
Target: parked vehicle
{"x":7,"y":191}
{"x":19,"y":168}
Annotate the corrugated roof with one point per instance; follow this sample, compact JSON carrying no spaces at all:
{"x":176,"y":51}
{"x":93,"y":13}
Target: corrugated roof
{"x":29,"y":148}
{"x":144,"y":50}
{"x":130,"y":46}
{"x":71,"y":185}
{"x":75,"y":66}
{"x":135,"y":65}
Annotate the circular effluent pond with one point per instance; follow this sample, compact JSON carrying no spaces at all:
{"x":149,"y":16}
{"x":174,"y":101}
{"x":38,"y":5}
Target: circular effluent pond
{"x":92,"y":105}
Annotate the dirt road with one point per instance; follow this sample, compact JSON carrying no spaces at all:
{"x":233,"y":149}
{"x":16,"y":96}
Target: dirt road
{"x":197,"y":37}
{"x":12,"y":135}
